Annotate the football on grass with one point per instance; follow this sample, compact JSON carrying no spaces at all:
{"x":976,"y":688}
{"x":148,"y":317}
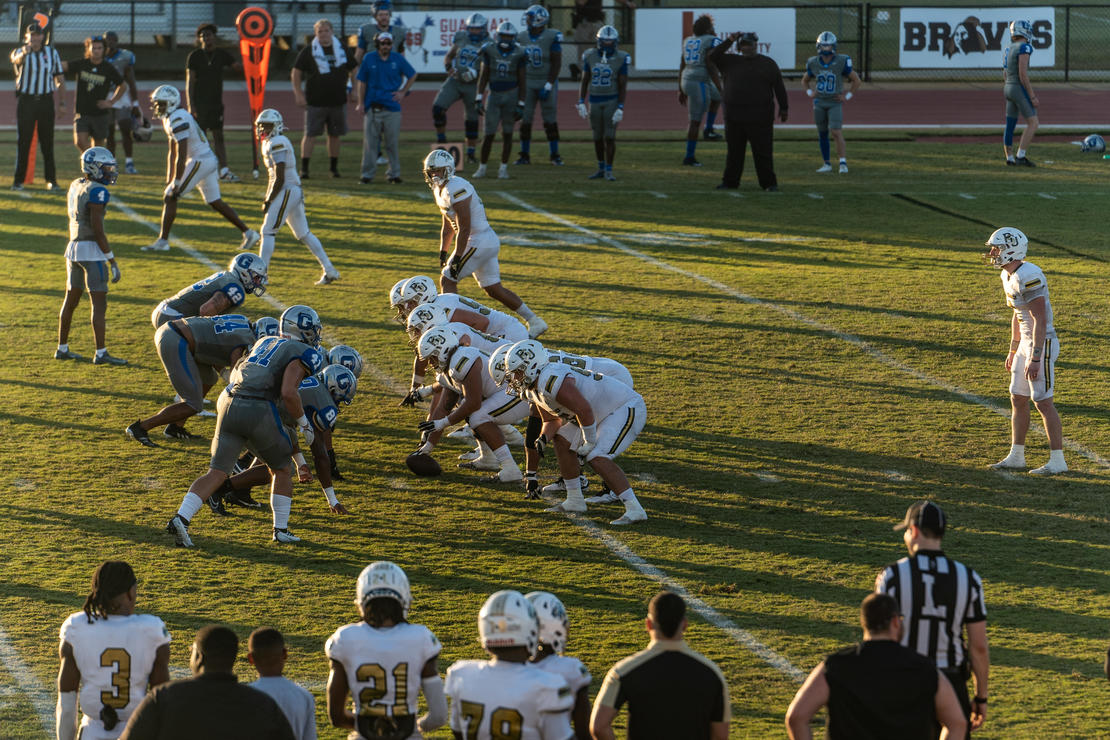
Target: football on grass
{"x":423,"y":465}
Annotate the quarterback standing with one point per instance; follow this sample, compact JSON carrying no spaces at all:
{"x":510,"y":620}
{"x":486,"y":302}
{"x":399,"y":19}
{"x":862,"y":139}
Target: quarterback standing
{"x":189,"y":164}
{"x":829,"y":70}
{"x":476,"y":245}
{"x":543,"y":53}
{"x":1033,"y":349}
{"x":284,"y":202}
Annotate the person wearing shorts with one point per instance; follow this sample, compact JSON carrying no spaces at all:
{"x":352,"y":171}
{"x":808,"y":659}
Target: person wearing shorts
{"x":99,"y":86}
{"x":325,"y":68}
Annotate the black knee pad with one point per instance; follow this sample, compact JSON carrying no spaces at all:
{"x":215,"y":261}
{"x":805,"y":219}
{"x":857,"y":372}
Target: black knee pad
{"x":439,"y":116}
{"x":532,"y":433}
{"x":525,"y":132}
{"x":552,"y":131}
{"x":471,"y":129}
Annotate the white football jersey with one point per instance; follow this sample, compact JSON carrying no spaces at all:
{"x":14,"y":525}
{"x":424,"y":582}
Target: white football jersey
{"x":180,"y":126}
{"x":115,"y":656}
{"x":497,"y":699}
{"x":605,"y":394}
{"x":280,"y":149}
{"x":450,"y":193}
{"x":500,"y":324}
{"x":575,"y":672}
{"x":384,"y":664}
{"x":602,"y":365}
{"x":1022,"y":286}
{"x":487,"y":343}
{"x":465,"y":359}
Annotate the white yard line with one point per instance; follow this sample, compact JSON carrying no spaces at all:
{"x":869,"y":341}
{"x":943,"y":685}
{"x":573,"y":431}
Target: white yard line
{"x":42,"y":700}
{"x":868,"y":348}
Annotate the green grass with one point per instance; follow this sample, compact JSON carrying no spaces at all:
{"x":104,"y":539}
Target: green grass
{"x":785,"y":436}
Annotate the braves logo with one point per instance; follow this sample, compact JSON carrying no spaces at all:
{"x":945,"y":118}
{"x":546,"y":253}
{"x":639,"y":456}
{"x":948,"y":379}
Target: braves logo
{"x":967,"y":37}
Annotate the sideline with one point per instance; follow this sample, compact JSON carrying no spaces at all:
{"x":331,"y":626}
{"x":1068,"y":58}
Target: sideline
{"x":42,"y":700}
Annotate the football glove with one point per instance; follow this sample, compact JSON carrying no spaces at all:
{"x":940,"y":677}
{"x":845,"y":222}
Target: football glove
{"x":478,"y":108}
{"x":581,"y":108}
{"x":546,"y":91}
{"x":453,"y":266}
{"x":412,"y":398}
{"x":531,"y":487}
{"x":442,"y":258}
{"x":432,"y":425}
{"x":116,"y":274}
{"x":539,"y":445}
{"x":518,"y":112}
{"x":468,"y":75}
{"x":305,"y":429}
{"x":618,"y":115}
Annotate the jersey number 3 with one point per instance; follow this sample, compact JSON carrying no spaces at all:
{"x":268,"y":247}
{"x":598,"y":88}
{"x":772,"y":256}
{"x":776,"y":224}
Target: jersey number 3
{"x":120,"y":659}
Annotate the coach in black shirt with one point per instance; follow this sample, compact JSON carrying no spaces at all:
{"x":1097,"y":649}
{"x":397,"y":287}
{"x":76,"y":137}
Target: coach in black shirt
{"x":204,"y":90}
{"x":877,"y":689}
{"x":38,"y":69}
{"x":752,"y":83}
{"x":212,"y":704}
{"x":940,"y":598}
{"x":95,"y":79}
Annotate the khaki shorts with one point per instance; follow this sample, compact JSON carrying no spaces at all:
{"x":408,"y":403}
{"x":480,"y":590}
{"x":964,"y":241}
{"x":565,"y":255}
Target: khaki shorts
{"x":93,"y":276}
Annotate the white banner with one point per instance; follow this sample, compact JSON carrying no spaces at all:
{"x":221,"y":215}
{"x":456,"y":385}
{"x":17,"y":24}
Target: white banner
{"x":428,"y":35}
{"x":960,"y":38}
{"x":659,"y":33}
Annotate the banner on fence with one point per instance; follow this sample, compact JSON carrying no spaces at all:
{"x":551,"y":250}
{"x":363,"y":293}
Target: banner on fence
{"x":429,"y":35}
{"x":659,"y":33}
{"x":959,"y":38}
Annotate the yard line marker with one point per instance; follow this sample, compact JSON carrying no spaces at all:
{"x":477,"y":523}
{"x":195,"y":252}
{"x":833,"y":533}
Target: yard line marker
{"x":41,"y":699}
{"x":658,"y":194}
{"x":967,"y":196}
{"x":801,"y":318}
{"x":735,"y":194}
{"x":615,"y":546}
{"x":578,"y":194}
{"x":815,"y":196}
{"x":1047,"y":196}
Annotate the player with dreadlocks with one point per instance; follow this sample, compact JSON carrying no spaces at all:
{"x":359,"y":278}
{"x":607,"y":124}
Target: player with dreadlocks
{"x":112,"y":654}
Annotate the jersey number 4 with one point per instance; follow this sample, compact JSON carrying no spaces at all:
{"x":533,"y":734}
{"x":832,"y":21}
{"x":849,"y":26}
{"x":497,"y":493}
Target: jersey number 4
{"x":504,"y":723}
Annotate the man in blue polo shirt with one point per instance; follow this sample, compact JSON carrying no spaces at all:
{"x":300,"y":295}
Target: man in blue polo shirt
{"x":383,"y":79}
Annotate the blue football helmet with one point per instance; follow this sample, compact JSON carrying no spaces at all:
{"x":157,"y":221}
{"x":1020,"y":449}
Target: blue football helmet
{"x":347,"y":356}
{"x":99,"y":165}
{"x":477,"y":27}
{"x":341,"y":384}
{"x":1093,"y":143}
{"x":826,"y":43}
{"x":302,"y":323}
{"x":251,"y":271}
{"x":380,"y":5}
{"x":267,"y":326}
{"x":1021,"y":28}
{"x":535,"y":18}
{"x":607,"y":38}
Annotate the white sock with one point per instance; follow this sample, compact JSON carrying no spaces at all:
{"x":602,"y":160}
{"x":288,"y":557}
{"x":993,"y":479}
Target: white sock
{"x":266,"y":251}
{"x":574,"y":491}
{"x":190,"y":505}
{"x":63,"y":348}
{"x":317,"y":249}
{"x":843,"y":160}
{"x":526,"y":313}
{"x":130,"y":161}
{"x":281,"y":506}
{"x":503,"y":455}
{"x":102,"y":351}
{"x":1056,"y":457}
{"x":1020,"y":153}
{"x":485,"y":450}
{"x":1017,"y":451}
{"x":631,"y":503}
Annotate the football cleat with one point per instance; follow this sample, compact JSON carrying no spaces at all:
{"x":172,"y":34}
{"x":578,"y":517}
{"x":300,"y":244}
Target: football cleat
{"x":1010,"y":162}
{"x":630,"y":517}
{"x":479,"y":173}
{"x":107,"y":359}
{"x":250,"y":238}
{"x":826,"y":167}
{"x":599,"y":175}
{"x":239,"y":498}
{"x":243,"y":463}
{"x":691,"y":162}
{"x":1009,"y":463}
{"x":179,"y":528}
{"x":711,"y":135}
{"x":536,"y":327}
{"x":158,"y":245}
{"x":1050,"y":468}
{"x":1023,"y":162}
{"x":843,"y":168}
{"x":556,"y":160}
{"x":136,"y":432}
{"x":463,"y":434}
{"x":176,"y":431}
{"x":216,"y":504}
{"x":558,"y":486}
{"x":382,"y":159}
{"x":229,"y":176}
{"x":565,"y":507}
{"x":129,"y":168}
{"x":67,"y":355}
{"x":605,"y":498}
{"x":471,"y":454}
{"x":327,"y":279}
{"x":503,"y":172}
{"x":285,"y":537}
{"x":610,"y":176}
{"x":481,"y":463}
{"x":524,"y":158}
{"x":507,"y":475}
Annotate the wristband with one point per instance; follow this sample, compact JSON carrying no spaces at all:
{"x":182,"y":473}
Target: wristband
{"x":330,"y":493}
{"x":109,"y":255}
{"x":847,"y":96}
{"x":620,"y":106}
{"x":977,"y":700}
{"x":425,"y":391}
{"x":478,"y":98}
{"x":809,"y":92}
{"x":299,"y":459}
{"x":1038,"y":359}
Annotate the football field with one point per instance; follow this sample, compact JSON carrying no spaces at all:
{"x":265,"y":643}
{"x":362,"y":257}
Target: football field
{"x":813,"y":361}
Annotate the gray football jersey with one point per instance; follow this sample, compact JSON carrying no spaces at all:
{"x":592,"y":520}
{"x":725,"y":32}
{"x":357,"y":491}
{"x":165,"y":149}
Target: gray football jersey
{"x":82,"y":192}
{"x":468,"y":51}
{"x":604,"y":71}
{"x":829,"y":77}
{"x":216,"y":337}
{"x":368,"y":34}
{"x":318,"y":405}
{"x":188,"y":301}
{"x":537,"y":52}
{"x":502,"y":66}
{"x":1010,"y":60}
{"x":260,"y":374}
{"x":695,"y":52}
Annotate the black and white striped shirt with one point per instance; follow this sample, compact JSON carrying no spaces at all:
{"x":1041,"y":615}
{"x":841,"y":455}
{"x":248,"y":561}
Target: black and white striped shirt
{"x":937,"y":596}
{"x":35,"y":70}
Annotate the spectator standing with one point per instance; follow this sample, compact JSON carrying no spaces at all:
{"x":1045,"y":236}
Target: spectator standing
{"x":671,"y":691}
{"x":1018,"y":92}
{"x":204,"y":90}
{"x":267,"y":653}
{"x":324,"y":68}
{"x":384,"y":78}
{"x":96,"y":79}
{"x":587,"y":18}
{"x":38,"y":70}
{"x":877,"y":688}
{"x":212,"y":704}
{"x":126,"y":108}
{"x":752,"y":84}
{"x":939,"y":598}
{"x":111,"y":654}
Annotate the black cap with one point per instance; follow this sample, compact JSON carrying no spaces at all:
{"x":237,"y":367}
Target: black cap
{"x":925,"y":515}
{"x":207,"y":27}
{"x":33,"y":28}
{"x":749,"y":37}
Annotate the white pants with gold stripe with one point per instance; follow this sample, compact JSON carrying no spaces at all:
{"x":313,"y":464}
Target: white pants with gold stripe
{"x":614,"y":433}
{"x":288,"y":208}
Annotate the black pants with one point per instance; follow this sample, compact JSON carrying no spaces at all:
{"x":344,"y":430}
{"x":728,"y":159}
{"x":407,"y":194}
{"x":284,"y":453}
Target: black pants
{"x":958,"y":677}
{"x":762,"y":137}
{"x":29,"y":110}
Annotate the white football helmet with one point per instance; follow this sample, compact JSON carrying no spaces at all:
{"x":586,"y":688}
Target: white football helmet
{"x":269,"y":124}
{"x":436,"y":346}
{"x":1006,"y":245}
{"x":506,"y":37}
{"x":536,"y":17}
{"x":384,"y":579}
{"x":826,"y":42}
{"x":302,"y":323}
{"x":267,"y":326}
{"x":552,"y":617}
{"x":523,"y":364}
{"x":417,"y":290}
{"x":1093,"y":143}
{"x":340,"y":382}
{"x":251,"y":271}
{"x":347,"y":356}
{"x":496,"y":365}
{"x":507,"y":619}
{"x":99,"y":165}
{"x":423,"y":318}
{"x":395,"y":301}
{"x":439,"y":167}
{"x":164,"y":100}
{"x":1021,"y":28}
{"x":607,"y":38}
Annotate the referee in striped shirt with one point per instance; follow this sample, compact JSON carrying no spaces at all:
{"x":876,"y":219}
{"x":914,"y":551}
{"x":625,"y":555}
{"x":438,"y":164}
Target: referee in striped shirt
{"x":940,"y":597}
{"x":38,"y":70}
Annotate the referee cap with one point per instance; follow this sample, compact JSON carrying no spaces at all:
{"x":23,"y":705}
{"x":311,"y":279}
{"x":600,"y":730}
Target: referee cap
{"x":925,"y":515}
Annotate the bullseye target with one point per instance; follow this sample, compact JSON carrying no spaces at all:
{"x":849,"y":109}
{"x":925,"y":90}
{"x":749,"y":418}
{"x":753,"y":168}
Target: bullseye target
{"x":255,"y":25}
